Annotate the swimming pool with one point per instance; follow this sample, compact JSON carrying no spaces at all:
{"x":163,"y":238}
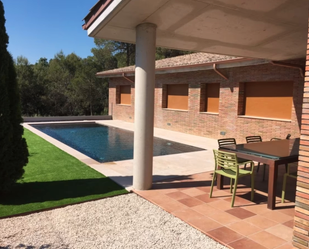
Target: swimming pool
{"x":106,"y":143}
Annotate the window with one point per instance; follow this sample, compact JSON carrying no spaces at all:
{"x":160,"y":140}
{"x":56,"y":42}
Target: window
{"x":124,"y":95}
{"x":209,"y":101}
{"x":268,"y":99}
{"x":177,"y":96}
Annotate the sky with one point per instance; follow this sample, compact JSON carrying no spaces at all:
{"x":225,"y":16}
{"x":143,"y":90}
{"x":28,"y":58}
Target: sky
{"x":42,"y":28}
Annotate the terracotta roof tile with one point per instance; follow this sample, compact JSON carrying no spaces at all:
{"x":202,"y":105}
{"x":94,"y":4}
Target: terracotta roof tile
{"x":183,"y":60}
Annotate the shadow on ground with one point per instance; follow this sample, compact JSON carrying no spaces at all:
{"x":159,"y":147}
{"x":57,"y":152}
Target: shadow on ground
{"x":33,"y":192}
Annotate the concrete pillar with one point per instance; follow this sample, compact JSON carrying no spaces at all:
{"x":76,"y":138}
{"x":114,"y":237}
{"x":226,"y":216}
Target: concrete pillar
{"x":144,"y":105}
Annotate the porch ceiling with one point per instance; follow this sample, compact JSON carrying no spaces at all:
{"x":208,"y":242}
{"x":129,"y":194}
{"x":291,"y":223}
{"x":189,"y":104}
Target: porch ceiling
{"x":275,"y":29}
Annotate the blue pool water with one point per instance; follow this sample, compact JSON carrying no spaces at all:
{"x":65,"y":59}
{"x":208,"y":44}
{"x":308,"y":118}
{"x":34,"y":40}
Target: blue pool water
{"x":106,"y":144}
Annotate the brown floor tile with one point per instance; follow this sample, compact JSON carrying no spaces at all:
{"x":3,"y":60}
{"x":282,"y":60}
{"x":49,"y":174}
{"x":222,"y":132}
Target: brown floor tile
{"x":288,"y":211}
{"x":223,"y":217}
{"x":204,"y":189}
{"x":205,"y":198}
{"x":244,"y":228}
{"x":159,"y":198}
{"x":146,"y":193}
{"x":172,"y":206}
{"x":221,"y":193}
{"x":177,"y":195}
{"x":257,"y":209}
{"x":163,"y":191}
{"x":191,"y":202}
{"x":289,"y":223}
{"x":187,"y":214}
{"x":261,"y":221}
{"x":204,"y":224}
{"x":282,"y":232}
{"x":225,"y":235}
{"x":246,"y":243}
{"x":276,"y":216}
{"x":267,"y":239}
{"x":193,"y":192}
{"x":286,"y":246}
{"x":220,"y":205}
{"x":239,"y":201}
{"x":204,"y":209}
{"x":240,"y":213}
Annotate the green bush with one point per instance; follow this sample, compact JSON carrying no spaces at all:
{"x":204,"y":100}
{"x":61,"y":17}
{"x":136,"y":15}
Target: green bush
{"x":13,"y":147}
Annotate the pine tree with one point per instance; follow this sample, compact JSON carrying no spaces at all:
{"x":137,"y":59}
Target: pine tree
{"x":13,"y":147}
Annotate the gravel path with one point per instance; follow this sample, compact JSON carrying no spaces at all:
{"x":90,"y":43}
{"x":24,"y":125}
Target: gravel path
{"x":126,"y":221}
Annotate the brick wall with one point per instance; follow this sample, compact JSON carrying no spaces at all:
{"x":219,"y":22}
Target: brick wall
{"x":301,"y":220}
{"x":210,"y":125}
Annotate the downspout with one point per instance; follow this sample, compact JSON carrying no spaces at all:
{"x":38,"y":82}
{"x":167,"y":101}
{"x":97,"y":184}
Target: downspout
{"x":282,"y":64}
{"x":123,"y":75}
{"x":216,"y":70}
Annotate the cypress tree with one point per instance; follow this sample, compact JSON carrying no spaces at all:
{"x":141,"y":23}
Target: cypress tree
{"x":13,"y":147}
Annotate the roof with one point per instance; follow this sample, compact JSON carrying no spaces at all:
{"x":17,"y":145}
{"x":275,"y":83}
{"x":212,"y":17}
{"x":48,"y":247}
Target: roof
{"x":188,"y":62}
{"x":95,"y":12}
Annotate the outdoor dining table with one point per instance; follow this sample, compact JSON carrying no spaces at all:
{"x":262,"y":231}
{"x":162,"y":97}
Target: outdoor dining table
{"x":273,"y":153}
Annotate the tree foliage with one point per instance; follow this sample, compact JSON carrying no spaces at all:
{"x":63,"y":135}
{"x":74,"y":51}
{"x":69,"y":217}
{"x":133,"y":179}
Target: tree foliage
{"x":67,"y":85}
{"x":13,"y":147}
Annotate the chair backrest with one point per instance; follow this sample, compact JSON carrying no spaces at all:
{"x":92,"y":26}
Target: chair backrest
{"x":253,"y":139}
{"x":275,"y":138}
{"x":226,"y":141}
{"x":225,"y":160}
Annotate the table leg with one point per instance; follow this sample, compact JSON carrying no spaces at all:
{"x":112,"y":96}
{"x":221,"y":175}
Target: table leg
{"x":272,"y":184}
{"x":220,"y":180}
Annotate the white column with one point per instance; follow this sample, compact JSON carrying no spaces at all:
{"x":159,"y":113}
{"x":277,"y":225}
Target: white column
{"x":144,"y":105}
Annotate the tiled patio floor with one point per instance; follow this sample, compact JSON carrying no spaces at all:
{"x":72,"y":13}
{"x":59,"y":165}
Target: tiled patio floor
{"x":246,"y":225}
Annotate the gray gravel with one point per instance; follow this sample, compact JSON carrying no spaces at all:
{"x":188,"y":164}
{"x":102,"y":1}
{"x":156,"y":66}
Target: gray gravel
{"x":126,"y":221}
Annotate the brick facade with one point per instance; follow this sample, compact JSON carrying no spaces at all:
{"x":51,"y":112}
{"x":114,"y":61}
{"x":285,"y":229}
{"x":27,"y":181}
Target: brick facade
{"x":301,"y":220}
{"x":227,"y":120}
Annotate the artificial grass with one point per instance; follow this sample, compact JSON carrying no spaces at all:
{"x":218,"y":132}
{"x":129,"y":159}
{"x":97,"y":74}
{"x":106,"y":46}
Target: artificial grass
{"x":54,"y":178}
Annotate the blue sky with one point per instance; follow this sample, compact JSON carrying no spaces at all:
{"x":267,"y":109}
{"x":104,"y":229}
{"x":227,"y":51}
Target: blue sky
{"x":42,"y":28}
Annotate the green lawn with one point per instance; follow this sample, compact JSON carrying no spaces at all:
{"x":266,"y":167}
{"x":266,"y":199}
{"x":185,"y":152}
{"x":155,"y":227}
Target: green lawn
{"x":53,"y":178}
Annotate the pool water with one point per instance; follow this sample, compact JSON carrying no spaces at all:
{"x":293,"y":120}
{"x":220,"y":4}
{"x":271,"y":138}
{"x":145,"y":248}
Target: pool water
{"x":105,"y":143}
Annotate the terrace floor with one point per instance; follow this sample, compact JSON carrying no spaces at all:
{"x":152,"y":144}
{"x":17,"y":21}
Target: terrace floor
{"x":246,"y":225}
{"x":181,"y":187}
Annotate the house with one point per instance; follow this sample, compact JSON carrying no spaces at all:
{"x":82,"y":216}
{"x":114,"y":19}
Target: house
{"x":217,"y":96}
{"x":271,"y":30}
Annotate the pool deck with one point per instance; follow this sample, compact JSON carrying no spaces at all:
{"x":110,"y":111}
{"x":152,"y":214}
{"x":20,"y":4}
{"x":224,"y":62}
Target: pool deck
{"x":164,"y":167}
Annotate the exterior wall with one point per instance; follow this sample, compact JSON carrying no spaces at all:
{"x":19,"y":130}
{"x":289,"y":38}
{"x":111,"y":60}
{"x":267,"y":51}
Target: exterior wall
{"x":228,"y":121}
{"x":301,"y":219}
{"x":118,"y":111}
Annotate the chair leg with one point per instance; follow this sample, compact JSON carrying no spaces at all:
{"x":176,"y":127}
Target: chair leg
{"x":234,"y":192}
{"x":252,"y":186}
{"x":283,"y":188}
{"x":212,"y":184}
{"x":231,"y":185}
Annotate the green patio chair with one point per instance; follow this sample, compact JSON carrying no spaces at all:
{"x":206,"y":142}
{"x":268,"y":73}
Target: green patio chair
{"x":288,"y":173}
{"x":232,"y":141}
{"x":226,"y":164}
